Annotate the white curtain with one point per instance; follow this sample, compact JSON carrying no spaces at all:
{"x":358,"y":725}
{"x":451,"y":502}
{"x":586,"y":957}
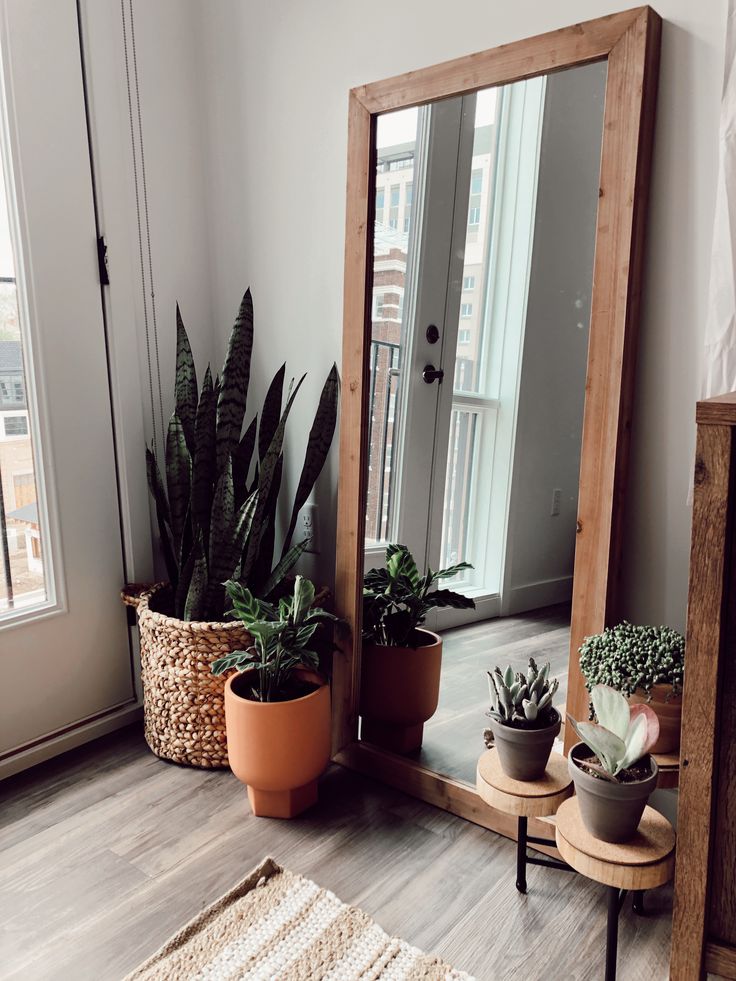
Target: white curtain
{"x":719,"y":369}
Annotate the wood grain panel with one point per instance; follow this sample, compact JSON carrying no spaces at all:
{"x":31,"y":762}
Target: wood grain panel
{"x":720,"y":960}
{"x":709,"y":556}
{"x":353,"y":422}
{"x":565,"y":48}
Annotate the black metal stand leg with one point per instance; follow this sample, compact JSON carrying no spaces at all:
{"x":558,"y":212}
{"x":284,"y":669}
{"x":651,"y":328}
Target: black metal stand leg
{"x":614,"y":904}
{"x":638,"y":902}
{"x":521,"y":855}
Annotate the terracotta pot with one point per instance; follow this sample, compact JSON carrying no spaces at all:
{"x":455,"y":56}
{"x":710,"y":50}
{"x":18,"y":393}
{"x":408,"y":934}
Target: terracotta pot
{"x":278,"y":749}
{"x":399,"y":691}
{"x":523,"y":753}
{"x":669,"y":714}
{"x":610,"y":811}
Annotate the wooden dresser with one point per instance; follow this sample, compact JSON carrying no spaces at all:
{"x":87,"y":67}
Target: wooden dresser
{"x":704,"y":924}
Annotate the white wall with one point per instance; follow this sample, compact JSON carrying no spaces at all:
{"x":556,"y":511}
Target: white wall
{"x":541,"y":547}
{"x":277,"y":78}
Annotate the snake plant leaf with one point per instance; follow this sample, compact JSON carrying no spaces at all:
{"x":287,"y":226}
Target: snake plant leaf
{"x":225,"y":558}
{"x":185,"y":388}
{"x":222,"y":515}
{"x":194,"y":606}
{"x":318,"y":446}
{"x":265,"y":479}
{"x":271,"y":411}
{"x":186,"y":568}
{"x":233,"y":393}
{"x":203,"y":465}
{"x":156,"y":486}
{"x":264,"y":560}
{"x":241,"y":461}
{"x":178,"y":478}
{"x":285,"y":566}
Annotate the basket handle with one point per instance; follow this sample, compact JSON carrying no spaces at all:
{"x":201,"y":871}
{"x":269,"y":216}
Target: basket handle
{"x":132,"y":593}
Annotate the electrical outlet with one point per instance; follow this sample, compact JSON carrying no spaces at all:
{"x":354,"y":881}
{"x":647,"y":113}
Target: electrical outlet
{"x":310,"y":526}
{"x":556,"y":502}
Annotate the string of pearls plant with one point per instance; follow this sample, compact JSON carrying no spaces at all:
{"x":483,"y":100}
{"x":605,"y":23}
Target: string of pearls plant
{"x":629,"y":657}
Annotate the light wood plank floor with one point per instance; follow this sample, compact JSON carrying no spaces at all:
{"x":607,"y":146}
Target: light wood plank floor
{"x":106,"y":852}
{"x":453,"y":737}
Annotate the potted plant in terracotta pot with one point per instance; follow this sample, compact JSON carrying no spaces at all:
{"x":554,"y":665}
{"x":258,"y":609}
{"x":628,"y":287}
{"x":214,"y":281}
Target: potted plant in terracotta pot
{"x":277,"y":705}
{"x":644,"y":663}
{"x":217,"y":491}
{"x":401,"y":661}
{"x":524,"y":723}
{"x":612,"y":768}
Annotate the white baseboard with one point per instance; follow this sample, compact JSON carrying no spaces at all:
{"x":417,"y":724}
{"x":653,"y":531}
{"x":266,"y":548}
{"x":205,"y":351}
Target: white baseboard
{"x":534,"y":595}
{"x":82,"y":733}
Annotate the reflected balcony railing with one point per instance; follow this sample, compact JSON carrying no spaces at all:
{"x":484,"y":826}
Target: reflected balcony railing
{"x":384,"y":369}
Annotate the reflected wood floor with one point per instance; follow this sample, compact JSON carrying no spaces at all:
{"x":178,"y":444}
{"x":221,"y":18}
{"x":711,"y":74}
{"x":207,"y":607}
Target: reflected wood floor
{"x":106,"y":852}
{"x":453,"y":737}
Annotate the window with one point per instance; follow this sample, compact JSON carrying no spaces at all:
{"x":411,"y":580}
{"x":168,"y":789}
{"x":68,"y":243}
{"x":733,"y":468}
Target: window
{"x":466,"y":310}
{"x":393,"y":213}
{"x":468,"y":282}
{"x":379,"y":204}
{"x":379,"y":301}
{"x":401,"y":164}
{"x":408,"y":195}
{"x":476,"y":188}
{"x":16,"y":425}
{"x":463,"y":336}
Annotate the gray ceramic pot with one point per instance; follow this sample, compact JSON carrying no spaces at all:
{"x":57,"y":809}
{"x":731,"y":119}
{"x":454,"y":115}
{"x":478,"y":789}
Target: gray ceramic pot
{"x":523,"y":753}
{"x":610,"y":811}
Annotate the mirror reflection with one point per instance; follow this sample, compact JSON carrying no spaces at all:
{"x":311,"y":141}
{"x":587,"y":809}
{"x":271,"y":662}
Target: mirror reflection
{"x":485,"y":213}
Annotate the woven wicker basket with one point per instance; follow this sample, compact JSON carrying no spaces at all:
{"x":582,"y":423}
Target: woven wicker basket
{"x":183,"y":702}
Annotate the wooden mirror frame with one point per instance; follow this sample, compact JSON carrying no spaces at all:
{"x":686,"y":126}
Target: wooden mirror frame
{"x":630,"y":42}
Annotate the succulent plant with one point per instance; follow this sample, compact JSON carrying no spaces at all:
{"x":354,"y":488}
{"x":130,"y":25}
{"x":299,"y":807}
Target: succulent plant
{"x":216,"y":508}
{"x":623,"y":734}
{"x":628,"y":657}
{"x":282,"y":638}
{"x":396,"y":599}
{"x":522,"y":697}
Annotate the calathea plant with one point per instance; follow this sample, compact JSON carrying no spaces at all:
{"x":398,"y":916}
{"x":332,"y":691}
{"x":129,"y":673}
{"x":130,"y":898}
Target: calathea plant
{"x":396,"y":599}
{"x":282,"y":637}
{"x":623,"y":734}
{"x":217,"y":500}
{"x":518,"y":697}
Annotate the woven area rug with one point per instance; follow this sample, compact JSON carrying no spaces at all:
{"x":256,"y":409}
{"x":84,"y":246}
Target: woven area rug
{"x":277,"y":925}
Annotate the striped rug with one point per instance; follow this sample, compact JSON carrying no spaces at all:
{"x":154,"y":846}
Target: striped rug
{"x":277,"y":925}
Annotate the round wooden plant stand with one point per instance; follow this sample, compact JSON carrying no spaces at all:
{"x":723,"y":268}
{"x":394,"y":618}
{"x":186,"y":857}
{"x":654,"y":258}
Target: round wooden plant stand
{"x":644,"y":862}
{"x":525,"y":799}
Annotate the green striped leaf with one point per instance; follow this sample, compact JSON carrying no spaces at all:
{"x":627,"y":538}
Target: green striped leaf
{"x":221,"y":516}
{"x":446,"y":597}
{"x":233,"y":394}
{"x":265,"y":479}
{"x":178,"y":478}
{"x":285,"y":566}
{"x":318,"y":446}
{"x":271,"y":412}
{"x":203,"y":464}
{"x":195,"y":605}
{"x":156,"y":486}
{"x":185,"y":392}
{"x":241,"y":461}
{"x":264,"y":560}
{"x":225,"y":559}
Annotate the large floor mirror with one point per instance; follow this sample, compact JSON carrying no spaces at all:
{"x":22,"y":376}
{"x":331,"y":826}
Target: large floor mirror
{"x":494,"y":248}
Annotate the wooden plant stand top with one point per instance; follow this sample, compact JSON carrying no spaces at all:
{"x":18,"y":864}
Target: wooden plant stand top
{"x":644,"y":862}
{"x":525,"y":799}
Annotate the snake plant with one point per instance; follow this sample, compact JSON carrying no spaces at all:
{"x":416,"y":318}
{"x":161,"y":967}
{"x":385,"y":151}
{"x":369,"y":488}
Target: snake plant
{"x":216,"y":505}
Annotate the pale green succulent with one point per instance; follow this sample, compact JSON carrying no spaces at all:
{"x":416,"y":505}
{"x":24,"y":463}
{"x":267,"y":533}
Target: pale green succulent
{"x":517,"y":697}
